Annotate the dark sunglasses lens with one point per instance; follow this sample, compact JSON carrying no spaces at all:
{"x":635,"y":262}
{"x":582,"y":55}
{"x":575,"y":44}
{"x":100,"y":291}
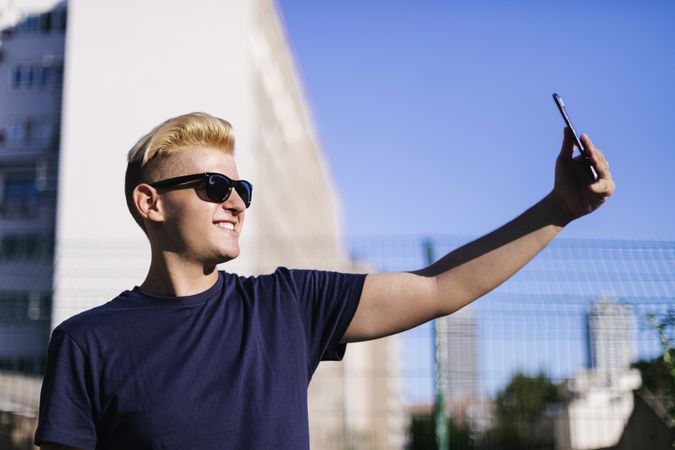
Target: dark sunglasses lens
{"x":218,"y":188}
{"x":245,"y":191}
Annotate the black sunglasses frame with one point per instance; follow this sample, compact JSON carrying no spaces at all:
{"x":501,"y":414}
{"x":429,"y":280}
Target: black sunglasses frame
{"x":243,"y":187}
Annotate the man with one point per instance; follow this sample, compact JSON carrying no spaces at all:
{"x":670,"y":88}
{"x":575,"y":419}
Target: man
{"x":194,"y":358}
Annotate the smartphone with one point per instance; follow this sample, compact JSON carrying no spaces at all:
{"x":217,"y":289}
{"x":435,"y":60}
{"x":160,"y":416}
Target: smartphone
{"x":592,"y":174}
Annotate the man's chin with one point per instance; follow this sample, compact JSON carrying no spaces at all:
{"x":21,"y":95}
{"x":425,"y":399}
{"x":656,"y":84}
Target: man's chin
{"x":229,"y":256}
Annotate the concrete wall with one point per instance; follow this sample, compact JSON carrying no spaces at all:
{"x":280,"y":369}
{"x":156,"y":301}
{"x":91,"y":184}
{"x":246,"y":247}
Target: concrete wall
{"x":131,"y":65}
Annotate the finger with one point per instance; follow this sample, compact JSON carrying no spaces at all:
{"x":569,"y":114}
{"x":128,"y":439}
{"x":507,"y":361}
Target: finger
{"x":586,"y":141}
{"x":604,"y":187}
{"x":593,"y":152}
{"x":567,"y":148}
{"x":597,"y":157}
{"x":599,"y":187}
{"x":604,"y":175}
{"x":599,"y":162}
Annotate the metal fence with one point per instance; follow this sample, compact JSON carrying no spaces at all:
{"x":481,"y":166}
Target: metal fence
{"x":565,"y":355}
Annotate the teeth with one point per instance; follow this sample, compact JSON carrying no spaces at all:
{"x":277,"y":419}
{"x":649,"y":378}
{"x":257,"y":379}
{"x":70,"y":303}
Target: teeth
{"x":226,"y":225}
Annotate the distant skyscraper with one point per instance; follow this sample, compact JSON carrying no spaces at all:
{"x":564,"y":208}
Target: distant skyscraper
{"x":458,"y":334}
{"x":611,"y":334}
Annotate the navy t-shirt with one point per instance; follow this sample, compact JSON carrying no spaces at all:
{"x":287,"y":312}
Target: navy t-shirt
{"x":224,"y":369}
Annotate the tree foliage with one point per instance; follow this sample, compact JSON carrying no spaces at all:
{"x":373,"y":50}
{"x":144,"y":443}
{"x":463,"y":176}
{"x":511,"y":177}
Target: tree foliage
{"x":655,"y":375}
{"x":521,"y":412}
{"x":423,"y":437}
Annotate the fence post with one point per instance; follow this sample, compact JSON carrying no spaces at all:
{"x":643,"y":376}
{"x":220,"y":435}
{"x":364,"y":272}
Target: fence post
{"x":440,"y":419}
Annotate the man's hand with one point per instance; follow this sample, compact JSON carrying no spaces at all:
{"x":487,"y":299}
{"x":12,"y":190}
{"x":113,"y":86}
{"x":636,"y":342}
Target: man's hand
{"x":571,"y":192}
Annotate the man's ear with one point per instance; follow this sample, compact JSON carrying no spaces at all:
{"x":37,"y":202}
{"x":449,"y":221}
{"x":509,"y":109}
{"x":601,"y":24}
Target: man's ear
{"x":146,"y":201}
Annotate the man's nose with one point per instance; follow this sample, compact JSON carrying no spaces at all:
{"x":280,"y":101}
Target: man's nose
{"x":234,"y":202}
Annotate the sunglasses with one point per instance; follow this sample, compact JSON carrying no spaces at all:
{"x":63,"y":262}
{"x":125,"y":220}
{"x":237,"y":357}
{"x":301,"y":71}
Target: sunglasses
{"x":218,"y":186}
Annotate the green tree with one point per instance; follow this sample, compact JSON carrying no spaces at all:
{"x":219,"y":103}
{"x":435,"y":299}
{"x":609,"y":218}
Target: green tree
{"x":658,"y":375}
{"x":655,"y":375}
{"x":423,"y":436}
{"x":664,"y":325}
{"x":520,"y":413}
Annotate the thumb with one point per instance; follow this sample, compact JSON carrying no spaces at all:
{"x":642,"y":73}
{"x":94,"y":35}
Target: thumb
{"x":567,"y":148}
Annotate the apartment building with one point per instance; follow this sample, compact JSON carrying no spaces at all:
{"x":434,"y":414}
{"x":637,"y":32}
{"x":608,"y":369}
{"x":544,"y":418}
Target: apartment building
{"x":31,"y":80}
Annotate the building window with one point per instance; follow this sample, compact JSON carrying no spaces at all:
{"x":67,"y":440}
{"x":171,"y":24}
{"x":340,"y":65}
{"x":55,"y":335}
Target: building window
{"x":29,"y":246}
{"x":22,"y":77}
{"x":45,"y":23}
{"x":36,"y":24}
{"x":29,"y":25}
{"x":20,"y":196}
{"x":24,"y":307}
{"x":59,"y":19}
{"x":54,"y":75}
{"x":39,"y":132}
{"x":17,"y":77}
{"x":17,"y":131}
{"x":43,"y":133}
{"x":37,"y":76}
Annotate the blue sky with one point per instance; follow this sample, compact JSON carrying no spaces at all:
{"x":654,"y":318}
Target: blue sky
{"x":436,"y":117}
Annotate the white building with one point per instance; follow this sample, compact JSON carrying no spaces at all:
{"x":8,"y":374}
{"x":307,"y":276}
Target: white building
{"x":458,"y":335}
{"x":611,"y":333}
{"x":128,"y":68}
{"x":600,"y":400}
{"x":598,"y":409}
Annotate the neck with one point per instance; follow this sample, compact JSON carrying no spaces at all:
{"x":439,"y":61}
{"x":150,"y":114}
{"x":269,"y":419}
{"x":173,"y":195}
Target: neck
{"x":172,"y":276}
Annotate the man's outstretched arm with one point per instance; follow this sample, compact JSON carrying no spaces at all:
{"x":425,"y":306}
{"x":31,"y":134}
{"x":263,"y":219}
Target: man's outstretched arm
{"x":394,"y":302}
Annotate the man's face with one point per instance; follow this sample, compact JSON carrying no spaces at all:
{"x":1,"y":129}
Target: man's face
{"x":196,"y":228}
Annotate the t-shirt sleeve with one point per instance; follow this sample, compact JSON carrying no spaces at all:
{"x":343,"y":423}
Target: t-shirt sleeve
{"x":328,"y":301}
{"x":65,"y":408}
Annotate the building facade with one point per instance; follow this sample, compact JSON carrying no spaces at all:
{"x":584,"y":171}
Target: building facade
{"x":601,"y":399}
{"x":611,"y":333}
{"x":31,"y":81}
{"x":459,"y":339}
{"x":126,"y":70}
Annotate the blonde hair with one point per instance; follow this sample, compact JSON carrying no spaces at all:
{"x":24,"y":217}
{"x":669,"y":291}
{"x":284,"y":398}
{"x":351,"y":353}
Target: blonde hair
{"x":177,"y":134}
